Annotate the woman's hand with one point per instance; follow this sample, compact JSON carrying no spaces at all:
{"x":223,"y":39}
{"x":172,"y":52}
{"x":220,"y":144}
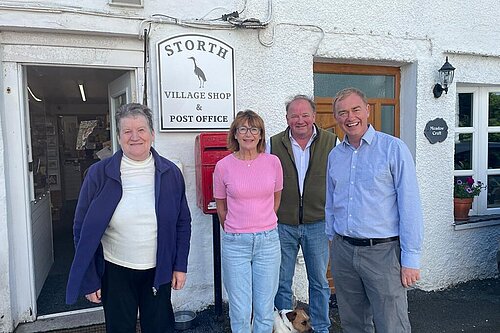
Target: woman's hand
{"x":221,"y":210}
{"x":94,"y":297}
{"x":178,"y":280}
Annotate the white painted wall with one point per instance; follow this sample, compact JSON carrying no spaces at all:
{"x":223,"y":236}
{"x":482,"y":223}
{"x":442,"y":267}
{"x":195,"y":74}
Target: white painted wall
{"x":413,"y":36}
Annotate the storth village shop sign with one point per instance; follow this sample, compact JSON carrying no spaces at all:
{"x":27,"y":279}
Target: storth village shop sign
{"x":196,"y":83}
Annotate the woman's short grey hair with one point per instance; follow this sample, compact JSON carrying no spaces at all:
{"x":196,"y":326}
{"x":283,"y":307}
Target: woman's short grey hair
{"x":133,"y":110}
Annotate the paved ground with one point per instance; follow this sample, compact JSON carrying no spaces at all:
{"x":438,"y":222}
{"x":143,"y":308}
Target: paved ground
{"x":469,"y":307}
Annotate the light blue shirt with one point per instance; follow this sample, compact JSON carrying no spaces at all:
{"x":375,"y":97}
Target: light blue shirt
{"x":372,"y":192}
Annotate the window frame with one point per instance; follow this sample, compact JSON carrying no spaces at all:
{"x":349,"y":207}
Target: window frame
{"x":479,"y":130}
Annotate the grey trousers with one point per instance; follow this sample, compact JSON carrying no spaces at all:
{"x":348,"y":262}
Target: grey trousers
{"x":368,"y":287}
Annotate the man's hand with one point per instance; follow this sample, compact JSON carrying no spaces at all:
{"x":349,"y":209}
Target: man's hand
{"x":409,"y":276}
{"x":94,"y":297}
{"x":178,"y":280}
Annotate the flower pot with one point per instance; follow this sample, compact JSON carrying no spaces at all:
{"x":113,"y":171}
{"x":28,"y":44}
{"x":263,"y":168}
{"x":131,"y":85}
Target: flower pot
{"x":461,"y":209}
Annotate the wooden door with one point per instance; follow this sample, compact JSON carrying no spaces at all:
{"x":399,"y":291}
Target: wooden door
{"x":384,"y":109}
{"x":326,"y":120}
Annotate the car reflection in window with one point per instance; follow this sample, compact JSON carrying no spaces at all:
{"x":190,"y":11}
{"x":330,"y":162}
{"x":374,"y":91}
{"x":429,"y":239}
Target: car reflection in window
{"x":463,"y":158}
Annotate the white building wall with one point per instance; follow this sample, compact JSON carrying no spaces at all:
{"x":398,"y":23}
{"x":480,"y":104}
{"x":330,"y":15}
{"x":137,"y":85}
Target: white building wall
{"x":414,"y":36}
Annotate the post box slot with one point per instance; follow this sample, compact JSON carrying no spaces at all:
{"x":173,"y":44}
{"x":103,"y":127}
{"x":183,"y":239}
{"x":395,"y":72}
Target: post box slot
{"x":212,"y":148}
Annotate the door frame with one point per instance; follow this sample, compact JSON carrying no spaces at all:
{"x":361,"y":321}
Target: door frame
{"x":132,"y":89}
{"x":19,"y":192}
{"x":18,"y":195}
{"x":26,"y":48}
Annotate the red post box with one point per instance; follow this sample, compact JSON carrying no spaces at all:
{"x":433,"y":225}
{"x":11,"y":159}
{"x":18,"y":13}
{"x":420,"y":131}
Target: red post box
{"x":209,"y":149}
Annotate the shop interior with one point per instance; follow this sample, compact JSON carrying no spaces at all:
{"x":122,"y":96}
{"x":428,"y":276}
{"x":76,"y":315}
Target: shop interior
{"x":70,"y":130}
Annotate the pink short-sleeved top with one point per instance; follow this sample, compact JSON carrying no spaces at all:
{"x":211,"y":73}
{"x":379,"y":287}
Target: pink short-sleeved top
{"x":248,"y":187}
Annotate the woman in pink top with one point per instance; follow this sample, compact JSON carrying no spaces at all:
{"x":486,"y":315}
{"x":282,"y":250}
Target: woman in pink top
{"x":247,"y":190}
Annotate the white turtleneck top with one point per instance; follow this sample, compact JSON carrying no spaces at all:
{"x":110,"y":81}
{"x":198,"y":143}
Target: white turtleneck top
{"x":130,"y":239}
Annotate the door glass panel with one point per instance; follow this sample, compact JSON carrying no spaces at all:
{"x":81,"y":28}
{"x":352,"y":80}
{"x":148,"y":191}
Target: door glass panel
{"x":494,"y":151}
{"x":119,"y":93}
{"x":120,"y":100}
{"x":374,"y":86}
{"x":464,"y":112}
{"x":463,"y":151}
{"x":387,"y":117}
{"x":41,"y":131}
{"x":493,"y":191}
{"x":116,"y":102}
{"x":494,"y":109}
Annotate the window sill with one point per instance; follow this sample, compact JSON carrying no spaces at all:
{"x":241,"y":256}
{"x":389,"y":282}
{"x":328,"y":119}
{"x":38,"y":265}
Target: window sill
{"x":478,"y":222}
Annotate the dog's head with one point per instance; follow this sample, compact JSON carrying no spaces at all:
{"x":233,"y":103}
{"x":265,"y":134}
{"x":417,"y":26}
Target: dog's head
{"x":300,"y":320}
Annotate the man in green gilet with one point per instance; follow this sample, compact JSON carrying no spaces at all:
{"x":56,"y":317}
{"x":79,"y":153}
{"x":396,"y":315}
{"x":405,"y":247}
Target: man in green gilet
{"x":303,"y":150}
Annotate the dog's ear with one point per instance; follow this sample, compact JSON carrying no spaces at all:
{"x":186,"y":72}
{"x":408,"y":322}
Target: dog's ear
{"x":291,"y":315}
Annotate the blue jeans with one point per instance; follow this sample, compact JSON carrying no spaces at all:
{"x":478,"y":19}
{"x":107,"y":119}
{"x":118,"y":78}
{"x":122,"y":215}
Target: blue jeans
{"x":250,"y":264}
{"x":314,"y":242}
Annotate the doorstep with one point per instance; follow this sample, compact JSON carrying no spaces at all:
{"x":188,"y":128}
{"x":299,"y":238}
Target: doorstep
{"x":79,"y":321}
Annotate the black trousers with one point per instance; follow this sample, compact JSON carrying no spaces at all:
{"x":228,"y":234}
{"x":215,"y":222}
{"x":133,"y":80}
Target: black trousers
{"x":125,"y":290}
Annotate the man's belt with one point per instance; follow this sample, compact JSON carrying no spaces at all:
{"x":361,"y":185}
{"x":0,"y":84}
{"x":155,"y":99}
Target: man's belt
{"x":368,"y":241}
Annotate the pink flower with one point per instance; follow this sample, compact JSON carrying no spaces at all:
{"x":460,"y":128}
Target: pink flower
{"x":467,"y":188}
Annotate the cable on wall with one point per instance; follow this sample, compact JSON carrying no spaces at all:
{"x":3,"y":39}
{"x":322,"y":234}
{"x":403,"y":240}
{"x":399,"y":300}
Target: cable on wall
{"x":311,"y":26}
{"x":228,"y":21}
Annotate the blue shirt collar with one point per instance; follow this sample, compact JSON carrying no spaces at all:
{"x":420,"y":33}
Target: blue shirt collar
{"x":367,"y":137}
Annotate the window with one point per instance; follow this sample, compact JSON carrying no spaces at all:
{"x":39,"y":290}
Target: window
{"x":379,"y":83}
{"x":477,"y":143}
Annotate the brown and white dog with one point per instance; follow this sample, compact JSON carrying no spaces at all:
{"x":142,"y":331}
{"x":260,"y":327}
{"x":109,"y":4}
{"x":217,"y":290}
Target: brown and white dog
{"x":291,"y":321}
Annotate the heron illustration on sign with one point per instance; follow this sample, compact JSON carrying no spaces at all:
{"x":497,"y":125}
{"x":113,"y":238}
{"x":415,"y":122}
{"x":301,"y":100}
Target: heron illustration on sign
{"x":199,"y":73}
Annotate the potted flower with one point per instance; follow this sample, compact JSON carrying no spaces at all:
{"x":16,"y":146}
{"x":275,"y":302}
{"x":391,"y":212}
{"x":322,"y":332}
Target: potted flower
{"x":463,"y":194}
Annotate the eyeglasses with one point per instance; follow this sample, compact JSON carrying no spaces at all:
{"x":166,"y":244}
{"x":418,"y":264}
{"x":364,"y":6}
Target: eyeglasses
{"x":244,"y":130}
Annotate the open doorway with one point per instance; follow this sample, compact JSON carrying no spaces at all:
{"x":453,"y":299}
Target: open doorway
{"x":70,"y":128}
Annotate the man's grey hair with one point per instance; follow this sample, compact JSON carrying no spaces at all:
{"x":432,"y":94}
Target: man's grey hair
{"x":133,"y":110}
{"x":346,"y":92}
{"x":302,"y":97}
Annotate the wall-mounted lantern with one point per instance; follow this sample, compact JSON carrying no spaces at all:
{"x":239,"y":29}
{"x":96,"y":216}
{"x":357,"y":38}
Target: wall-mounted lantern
{"x":446,"y":73}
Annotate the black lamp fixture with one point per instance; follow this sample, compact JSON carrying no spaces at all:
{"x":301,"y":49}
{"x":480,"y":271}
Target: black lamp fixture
{"x":446,"y":73}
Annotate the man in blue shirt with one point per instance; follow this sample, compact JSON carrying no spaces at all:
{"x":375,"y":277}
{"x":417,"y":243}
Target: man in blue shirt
{"x":374,"y":220}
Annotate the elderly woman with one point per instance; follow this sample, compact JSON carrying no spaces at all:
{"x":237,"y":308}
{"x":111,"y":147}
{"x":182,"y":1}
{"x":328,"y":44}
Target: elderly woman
{"x":247,"y":190}
{"x":132,"y":229}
